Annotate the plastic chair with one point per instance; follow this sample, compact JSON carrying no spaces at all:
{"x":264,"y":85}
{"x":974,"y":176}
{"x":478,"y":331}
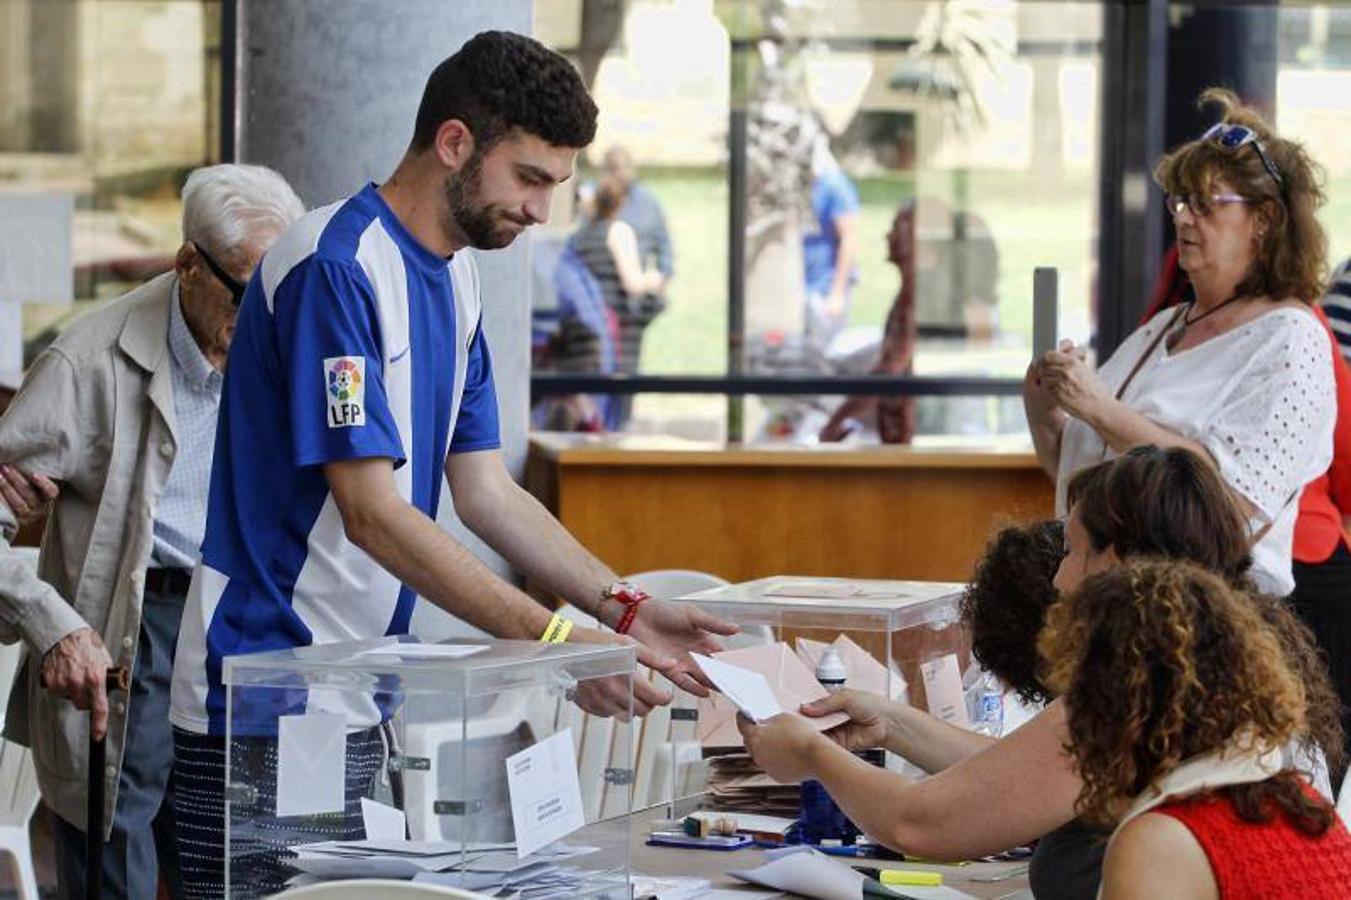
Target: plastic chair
{"x":374,"y":889}
{"x":667,"y":584}
{"x":18,"y":788}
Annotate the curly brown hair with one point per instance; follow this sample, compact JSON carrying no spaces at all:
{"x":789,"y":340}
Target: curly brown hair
{"x":1161,"y":661}
{"x":1292,"y":258}
{"x":1005,"y":604}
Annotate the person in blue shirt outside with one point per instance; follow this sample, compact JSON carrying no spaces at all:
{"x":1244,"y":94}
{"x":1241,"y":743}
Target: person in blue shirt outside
{"x":830,"y":248}
{"x":359,"y":376}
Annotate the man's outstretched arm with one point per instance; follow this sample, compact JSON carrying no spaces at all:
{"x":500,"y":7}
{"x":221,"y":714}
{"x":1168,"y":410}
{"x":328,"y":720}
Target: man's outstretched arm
{"x":417,"y":551}
{"x":517,"y":526}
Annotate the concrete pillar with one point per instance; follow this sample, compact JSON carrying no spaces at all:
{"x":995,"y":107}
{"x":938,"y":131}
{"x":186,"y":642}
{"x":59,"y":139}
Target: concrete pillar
{"x":327,"y":93}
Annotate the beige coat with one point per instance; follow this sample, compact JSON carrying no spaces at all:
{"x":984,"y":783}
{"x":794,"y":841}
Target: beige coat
{"x":96,"y":414}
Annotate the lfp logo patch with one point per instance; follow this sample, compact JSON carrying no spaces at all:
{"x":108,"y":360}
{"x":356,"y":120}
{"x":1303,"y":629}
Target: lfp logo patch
{"x":346,"y":377}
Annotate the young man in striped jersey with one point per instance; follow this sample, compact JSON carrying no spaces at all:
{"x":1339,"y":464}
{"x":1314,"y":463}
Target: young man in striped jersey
{"x":359,"y":375}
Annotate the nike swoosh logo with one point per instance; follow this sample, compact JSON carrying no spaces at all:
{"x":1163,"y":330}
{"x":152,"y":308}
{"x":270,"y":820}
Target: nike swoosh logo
{"x":400,"y":355}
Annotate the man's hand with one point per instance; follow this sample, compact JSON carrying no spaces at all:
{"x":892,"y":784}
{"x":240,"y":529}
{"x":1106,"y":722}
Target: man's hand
{"x":867,"y":725}
{"x":29,"y":497}
{"x":674,"y":630}
{"x":781,"y":746}
{"x":610,"y":696}
{"x":840,"y":427}
{"x":75,"y":668}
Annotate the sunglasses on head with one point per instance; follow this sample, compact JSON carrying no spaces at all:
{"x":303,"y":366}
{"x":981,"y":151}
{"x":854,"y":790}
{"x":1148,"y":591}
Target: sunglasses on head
{"x":236,"y":289}
{"x":1231,"y":137}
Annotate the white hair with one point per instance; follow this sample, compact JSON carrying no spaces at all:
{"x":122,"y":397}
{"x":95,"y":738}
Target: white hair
{"x":227,"y":207}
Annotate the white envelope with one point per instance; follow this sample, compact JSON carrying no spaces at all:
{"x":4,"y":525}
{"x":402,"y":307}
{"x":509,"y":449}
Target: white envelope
{"x":311,"y":764}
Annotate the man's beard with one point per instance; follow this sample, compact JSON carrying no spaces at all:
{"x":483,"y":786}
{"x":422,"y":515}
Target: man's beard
{"x":480,"y":223}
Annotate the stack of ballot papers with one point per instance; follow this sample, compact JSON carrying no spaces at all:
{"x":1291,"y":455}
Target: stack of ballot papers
{"x":484,"y":867}
{"x":736,"y":784}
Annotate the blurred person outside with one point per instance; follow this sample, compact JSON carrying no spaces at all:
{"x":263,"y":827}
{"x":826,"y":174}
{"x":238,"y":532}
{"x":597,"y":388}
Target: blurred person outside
{"x":1242,"y":375}
{"x":1179,"y":698}
{"x":120,"y":411}
{"x":893,"y":416}
{"x":643,"y":212}
{"x":829,"y":247}
{"x":610,"y":249}
{"x":360,"y":377}
{"x":576,"y":334}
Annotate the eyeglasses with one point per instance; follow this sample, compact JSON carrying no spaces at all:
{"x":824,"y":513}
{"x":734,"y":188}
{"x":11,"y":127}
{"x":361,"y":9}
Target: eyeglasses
{"x":1231,"y":137}
{"x":1200,"y":206}
{"x":236,"y":289}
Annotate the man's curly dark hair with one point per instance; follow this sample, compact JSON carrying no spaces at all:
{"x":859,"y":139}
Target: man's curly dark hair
{"x":1006,"y":602}
{"x":500,"y":81}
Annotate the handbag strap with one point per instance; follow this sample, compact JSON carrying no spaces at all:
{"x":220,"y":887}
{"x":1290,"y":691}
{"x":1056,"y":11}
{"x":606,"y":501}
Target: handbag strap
{"x":1149,"y":351}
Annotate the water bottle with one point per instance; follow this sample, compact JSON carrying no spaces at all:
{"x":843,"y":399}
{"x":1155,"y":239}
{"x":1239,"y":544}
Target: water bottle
{"x":985,"y":705}
{"x":822,"y":819}
{"x":830,"y":670}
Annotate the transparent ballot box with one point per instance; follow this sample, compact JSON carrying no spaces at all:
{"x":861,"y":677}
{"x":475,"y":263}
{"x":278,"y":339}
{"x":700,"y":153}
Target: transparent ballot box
{"x":470,"y":764}
{"x":901,"y":639}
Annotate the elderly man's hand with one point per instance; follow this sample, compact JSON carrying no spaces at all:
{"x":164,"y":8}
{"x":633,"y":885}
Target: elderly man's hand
{"x":673,"y":630}
{"x":76,"y":668}
{"x":29,"y":496}
{"x":782,"y":746}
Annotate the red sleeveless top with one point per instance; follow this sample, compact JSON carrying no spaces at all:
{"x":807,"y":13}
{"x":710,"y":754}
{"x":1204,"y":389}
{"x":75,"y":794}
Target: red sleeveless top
{"x":1268,"y":861}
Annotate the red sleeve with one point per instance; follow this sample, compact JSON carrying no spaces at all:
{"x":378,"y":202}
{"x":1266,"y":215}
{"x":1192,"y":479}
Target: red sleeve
{"x":1339,"y":473}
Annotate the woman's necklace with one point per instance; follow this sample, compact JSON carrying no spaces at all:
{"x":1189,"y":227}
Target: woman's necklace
{"x":1187,"y":321}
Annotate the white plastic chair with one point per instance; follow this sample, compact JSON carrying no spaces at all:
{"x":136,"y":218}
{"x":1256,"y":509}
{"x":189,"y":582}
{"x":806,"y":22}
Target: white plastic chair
{"x":375,"y":889}
{"x":18,"y":787}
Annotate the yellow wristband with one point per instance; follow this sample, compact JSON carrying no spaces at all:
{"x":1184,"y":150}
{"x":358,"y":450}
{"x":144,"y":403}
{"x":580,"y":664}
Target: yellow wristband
{"x":557,"y":631}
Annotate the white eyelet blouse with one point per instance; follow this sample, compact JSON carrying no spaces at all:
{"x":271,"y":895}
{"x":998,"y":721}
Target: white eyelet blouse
{"x":1260,"y":398}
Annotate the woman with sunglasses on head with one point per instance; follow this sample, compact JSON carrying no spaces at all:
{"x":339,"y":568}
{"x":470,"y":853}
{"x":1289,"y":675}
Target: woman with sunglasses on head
{"x":1242,"y":374}
{"x":986,"y":795}
{"x":1179,"y":698}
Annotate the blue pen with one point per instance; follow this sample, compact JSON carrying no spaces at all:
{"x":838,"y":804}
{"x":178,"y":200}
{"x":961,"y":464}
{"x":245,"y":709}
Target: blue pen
{"x":846,"y":850}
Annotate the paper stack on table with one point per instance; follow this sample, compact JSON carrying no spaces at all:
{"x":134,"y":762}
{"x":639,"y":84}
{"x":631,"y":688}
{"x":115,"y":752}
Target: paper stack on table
{"x":482,"y":866}
{"x":736,"y":784}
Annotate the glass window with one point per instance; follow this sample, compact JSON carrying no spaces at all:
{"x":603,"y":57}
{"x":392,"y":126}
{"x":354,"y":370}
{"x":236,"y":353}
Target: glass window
{"x":105,"y":106}
{"x":897,"y":163}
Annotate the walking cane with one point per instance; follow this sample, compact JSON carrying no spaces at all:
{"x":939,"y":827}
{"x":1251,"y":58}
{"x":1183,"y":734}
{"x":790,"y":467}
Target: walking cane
{"x":119,"y":679}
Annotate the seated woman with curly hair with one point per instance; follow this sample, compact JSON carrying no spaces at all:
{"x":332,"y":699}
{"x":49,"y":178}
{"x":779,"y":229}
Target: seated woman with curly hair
{"x":987,"y":795}
{"x":1179,"y":697}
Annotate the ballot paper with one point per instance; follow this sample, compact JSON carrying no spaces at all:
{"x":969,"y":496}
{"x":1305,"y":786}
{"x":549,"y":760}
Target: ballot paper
{"x":546,"y":796}
{"x":790,"y":681}
{"x":943,"y":690}
{"x":803,"y":870}
{"x":748,"y":691}
{"x":425,"y":651}
{"x":383,"y":822}
{"x":311,"y":764}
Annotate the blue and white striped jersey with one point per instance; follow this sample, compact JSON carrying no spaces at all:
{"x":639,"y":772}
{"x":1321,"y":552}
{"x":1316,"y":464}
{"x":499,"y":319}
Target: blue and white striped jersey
{"x":353,"y":340}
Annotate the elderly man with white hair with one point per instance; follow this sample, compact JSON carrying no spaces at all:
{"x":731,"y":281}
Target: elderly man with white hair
{"x":120,"y":412}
